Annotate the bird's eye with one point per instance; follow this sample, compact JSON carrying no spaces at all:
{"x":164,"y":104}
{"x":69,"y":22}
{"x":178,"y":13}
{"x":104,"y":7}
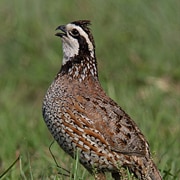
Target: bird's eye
{"x":74,"y":32}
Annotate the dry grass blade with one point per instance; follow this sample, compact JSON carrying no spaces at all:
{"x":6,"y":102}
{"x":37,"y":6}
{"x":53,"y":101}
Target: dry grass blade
{"x":8,"y":169}
{"x":67,"y":175}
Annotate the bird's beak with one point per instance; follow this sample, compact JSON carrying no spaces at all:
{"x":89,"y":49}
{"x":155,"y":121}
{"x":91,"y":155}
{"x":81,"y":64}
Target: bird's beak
{"x":63,"y":29}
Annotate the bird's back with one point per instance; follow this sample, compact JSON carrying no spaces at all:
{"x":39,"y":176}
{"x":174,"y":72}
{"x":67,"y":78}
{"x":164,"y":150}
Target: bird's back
{"x":82,"y":115}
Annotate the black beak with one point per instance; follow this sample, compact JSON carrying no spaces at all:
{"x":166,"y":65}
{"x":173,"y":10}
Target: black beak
{"x":63,"y":29}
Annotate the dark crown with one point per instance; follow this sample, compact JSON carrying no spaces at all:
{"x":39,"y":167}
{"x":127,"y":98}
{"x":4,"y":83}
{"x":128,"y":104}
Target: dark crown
{"x":84,"y":24}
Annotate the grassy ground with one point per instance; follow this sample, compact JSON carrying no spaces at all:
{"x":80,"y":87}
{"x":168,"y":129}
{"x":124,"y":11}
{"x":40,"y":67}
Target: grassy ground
{"x":138,"y":50}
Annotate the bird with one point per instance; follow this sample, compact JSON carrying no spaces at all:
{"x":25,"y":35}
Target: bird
{"x":82,"y":117}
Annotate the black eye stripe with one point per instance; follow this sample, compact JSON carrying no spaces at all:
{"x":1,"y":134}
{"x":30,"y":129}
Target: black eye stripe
{"x":74,"y":32}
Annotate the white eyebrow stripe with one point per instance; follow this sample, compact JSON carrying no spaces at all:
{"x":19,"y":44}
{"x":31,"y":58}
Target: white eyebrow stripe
{"x":82,"y":33}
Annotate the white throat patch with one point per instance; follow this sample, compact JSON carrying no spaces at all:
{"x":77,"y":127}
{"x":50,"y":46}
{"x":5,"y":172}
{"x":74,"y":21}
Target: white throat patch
{"x":70,"y":48}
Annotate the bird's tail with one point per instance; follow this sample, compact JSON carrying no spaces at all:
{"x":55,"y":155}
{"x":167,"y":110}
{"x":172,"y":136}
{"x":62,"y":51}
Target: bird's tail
{"x":145,"y":169}
{"x":153,"y":172}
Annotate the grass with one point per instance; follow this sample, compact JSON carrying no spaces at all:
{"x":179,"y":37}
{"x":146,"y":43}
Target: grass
{"x":137,"y":46}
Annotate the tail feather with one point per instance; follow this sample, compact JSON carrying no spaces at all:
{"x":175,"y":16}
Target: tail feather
{"x":145,"y":169}
{"x":153,"y":172}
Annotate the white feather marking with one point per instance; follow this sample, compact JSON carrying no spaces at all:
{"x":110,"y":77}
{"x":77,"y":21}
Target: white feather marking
{"x":70,"y":48}
{"x":82,"y":33}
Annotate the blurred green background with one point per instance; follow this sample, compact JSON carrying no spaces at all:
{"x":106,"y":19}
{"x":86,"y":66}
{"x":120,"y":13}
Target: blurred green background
{"x":138,"y":52}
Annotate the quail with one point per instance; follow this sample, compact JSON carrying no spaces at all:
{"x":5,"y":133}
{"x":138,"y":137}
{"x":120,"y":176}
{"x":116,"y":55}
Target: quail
{"x":81,"y":117}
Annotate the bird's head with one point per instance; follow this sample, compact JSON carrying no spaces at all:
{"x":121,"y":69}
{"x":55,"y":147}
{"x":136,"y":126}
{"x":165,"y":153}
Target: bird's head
{"x":77,"y":40}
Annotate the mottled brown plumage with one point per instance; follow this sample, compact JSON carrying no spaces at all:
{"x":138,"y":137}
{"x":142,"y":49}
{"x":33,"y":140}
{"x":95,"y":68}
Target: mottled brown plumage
{"x":81,"y":116}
